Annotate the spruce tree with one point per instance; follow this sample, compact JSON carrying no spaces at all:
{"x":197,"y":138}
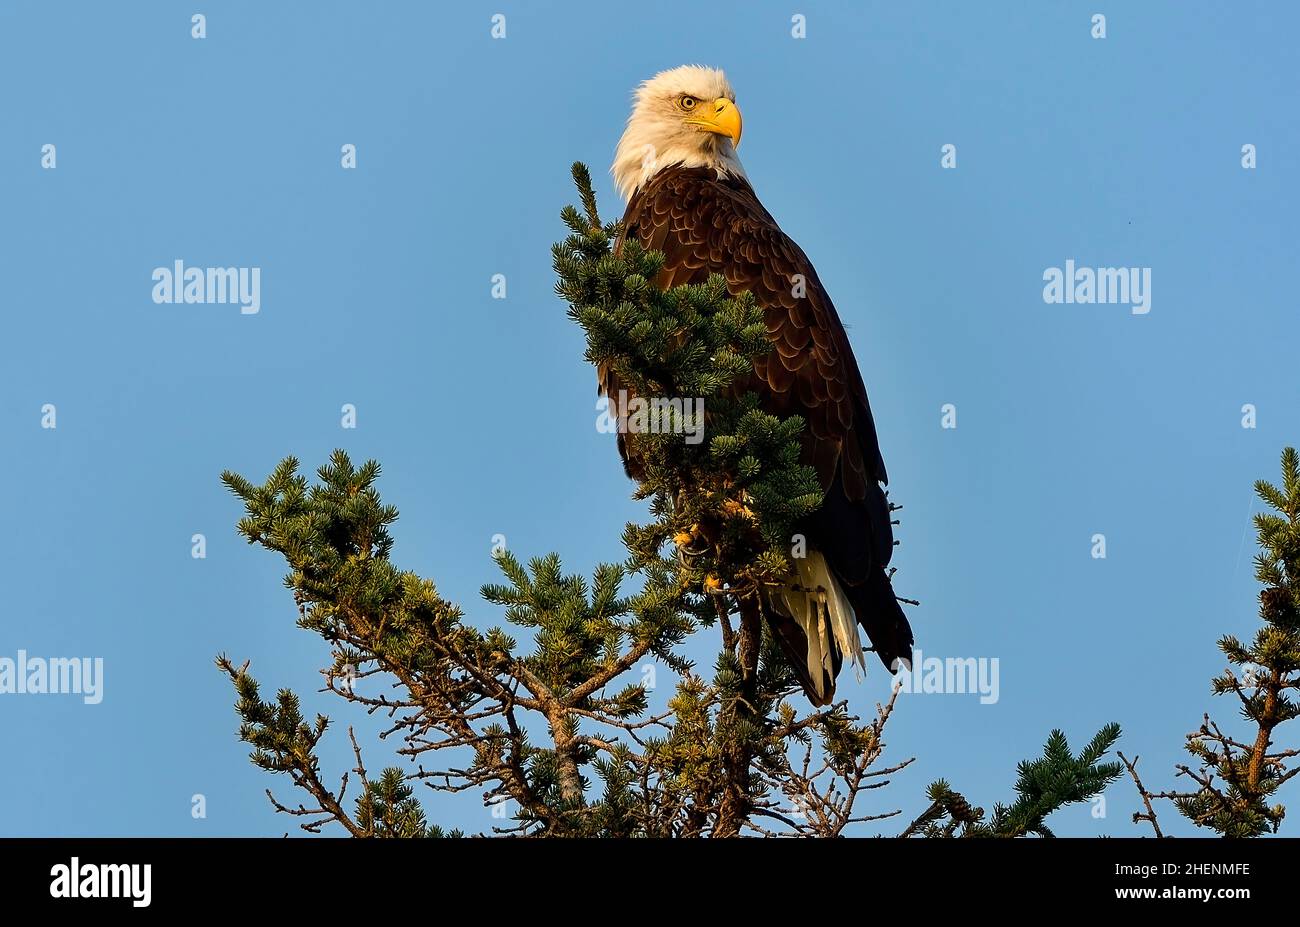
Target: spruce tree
{"x":1044,"y":785}
{"x":561,"y":726}
{"x":1237,"y":778}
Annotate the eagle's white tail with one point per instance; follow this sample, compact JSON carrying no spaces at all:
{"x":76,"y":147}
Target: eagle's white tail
{"x":815,"y":600}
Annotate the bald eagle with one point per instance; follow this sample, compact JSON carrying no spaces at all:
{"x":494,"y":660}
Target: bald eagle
{"x":688,"y":197}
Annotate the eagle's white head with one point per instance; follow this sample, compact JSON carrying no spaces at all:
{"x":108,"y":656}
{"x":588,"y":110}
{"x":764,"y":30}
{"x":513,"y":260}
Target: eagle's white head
{"x":685,"y":116}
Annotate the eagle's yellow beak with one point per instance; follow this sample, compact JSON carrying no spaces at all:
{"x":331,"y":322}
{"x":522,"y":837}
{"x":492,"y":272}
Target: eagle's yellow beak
{"x":720,"y":116}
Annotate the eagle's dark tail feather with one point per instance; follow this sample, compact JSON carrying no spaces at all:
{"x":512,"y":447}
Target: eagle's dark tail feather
{"x":880,"y":615}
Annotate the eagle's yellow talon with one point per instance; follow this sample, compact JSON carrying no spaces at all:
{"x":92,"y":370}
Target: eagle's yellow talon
{"x":732,"y":507}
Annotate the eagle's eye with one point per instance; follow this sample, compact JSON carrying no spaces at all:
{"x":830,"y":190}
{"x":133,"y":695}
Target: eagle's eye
{"x":688,"y":103}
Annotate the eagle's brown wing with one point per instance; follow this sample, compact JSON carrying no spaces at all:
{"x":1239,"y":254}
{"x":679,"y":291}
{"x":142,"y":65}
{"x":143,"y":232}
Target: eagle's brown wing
{"x":705,"y":225}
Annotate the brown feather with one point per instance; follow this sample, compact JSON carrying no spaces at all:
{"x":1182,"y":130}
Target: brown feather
{"x":706,"y":225}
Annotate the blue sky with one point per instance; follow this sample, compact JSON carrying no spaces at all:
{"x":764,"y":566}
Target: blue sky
{"x":1072,"y":420}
